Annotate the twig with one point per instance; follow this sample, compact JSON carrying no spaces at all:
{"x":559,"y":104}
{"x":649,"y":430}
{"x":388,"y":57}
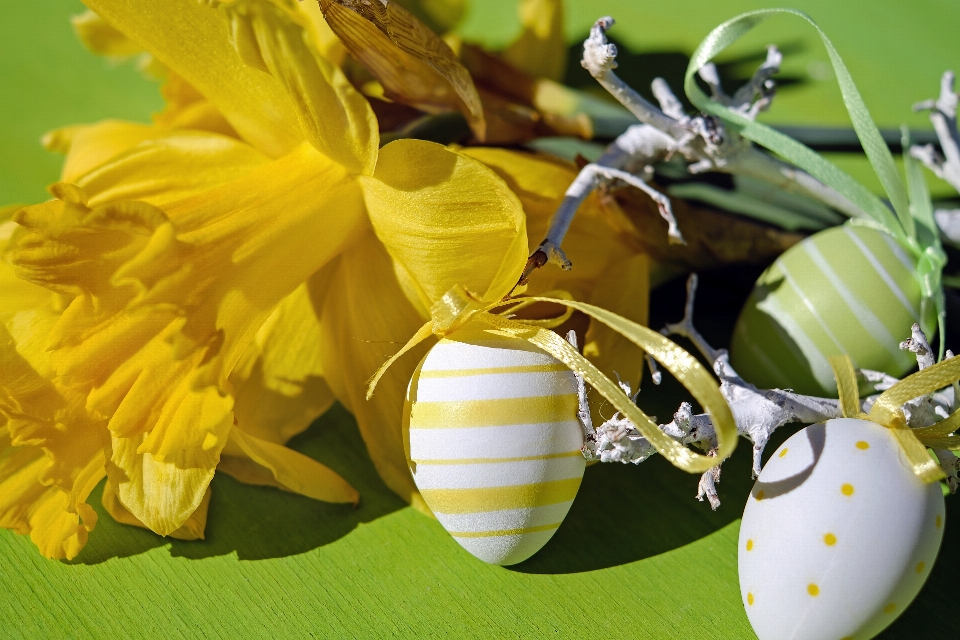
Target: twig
{"x":702,"y":142}
{"x":943,"y":116}
{"x":758,"y":412}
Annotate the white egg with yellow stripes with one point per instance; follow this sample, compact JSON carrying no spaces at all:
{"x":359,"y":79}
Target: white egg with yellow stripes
{"x":494,"y":442}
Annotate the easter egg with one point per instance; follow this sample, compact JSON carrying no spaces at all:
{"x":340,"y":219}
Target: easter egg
{"x":838,"y":535}
{"x":494,"y":442}
{"x":846,"y":290}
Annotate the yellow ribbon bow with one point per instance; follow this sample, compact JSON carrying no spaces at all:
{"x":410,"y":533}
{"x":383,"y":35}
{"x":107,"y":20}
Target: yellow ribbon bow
{"x":887,"y":411}
{"x":458,"y":307}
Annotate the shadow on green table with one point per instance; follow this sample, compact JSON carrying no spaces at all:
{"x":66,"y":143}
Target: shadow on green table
{"x":622,"y":515}
{"x":258,"y":523}
{"x":640,"y":511}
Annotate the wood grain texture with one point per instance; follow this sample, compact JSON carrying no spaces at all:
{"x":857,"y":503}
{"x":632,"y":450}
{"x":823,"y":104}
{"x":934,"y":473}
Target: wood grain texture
{"x":637,"y":557}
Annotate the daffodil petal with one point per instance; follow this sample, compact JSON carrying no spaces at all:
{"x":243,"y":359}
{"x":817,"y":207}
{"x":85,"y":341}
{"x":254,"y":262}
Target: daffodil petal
{"x":597,"y":236}
{"x":446,"y":220}
{"x":541,"y":49}
{"x":186,"y":108}
{"x":626,"y":292}
{"x":321,"y":35}
{"x":58,"y":522}
{"x":51,"y":450}
{"x":193,"y":39}
{"x":608,"y":269}
{"x":225,"y":258}
{"x":38,"y":411}
{"x":163,"y":494}
{"x":89,"y":145}
{"x":366,"y":319}
{"x":192,"y":529}
{"x":294,"y":471}
{"x":334,"y":116}
{"x":165,"y":303}
{"x":18,"y":294}
{"x":278,"y":384}
{"x":101,"y":37}
{"x":170,"y":167}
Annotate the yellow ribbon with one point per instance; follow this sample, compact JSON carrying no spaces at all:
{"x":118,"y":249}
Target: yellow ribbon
{"x":459,"y":307}
{"x":887,"y":411}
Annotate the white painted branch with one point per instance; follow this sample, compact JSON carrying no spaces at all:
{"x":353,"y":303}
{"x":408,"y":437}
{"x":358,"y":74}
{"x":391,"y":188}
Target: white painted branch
{"x":757,"y":95}
{"x":600,"y":59}
{"x":669,"y":102}
{"x":707,"y":487}
{"x":758,"y":412}
{"x":701,"y":141}
{"x":950,"y":464}
{"x":948,"y":220}
{"x":943,"y":116}
{"x":642,"y":144}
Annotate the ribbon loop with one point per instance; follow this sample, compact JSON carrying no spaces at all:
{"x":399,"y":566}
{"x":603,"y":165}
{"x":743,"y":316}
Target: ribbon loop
{"x":684,"y":366}
{"x":454,"y":309}
{"x":458,"y":307}
{"x":847,"y":388}
{"x":915,"y":385}
{"x":887,"y":411}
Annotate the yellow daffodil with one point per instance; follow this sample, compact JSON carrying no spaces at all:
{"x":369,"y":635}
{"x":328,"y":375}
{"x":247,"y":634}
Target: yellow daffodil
{"x":541,"y":49}
{"x":205,"y":278}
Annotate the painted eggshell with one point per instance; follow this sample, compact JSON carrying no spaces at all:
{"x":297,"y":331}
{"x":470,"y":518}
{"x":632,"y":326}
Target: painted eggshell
{"x":495,"y":442}
{"x":847,"y":290}
{"x":838,"y":535}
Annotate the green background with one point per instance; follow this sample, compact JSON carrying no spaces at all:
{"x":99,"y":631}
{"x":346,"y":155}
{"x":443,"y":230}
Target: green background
{"x":637,"y":556}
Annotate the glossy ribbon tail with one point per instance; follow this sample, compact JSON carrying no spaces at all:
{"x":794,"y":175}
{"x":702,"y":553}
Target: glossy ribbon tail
{"x":699,"y":382}
{"x":887,"y":411}
{"x":458,"y":308}
{"x":684,"y":367}
{"x":422,"y":334}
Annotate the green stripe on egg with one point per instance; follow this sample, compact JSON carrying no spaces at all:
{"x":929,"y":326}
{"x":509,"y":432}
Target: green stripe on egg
{"x":849,"y":289}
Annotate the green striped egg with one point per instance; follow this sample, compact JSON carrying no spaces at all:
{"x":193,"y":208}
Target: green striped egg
{"x":494,"y":442}
{"x":849,"y":289}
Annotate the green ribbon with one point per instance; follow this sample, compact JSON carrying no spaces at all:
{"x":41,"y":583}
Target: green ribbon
{"x":908,"y":209}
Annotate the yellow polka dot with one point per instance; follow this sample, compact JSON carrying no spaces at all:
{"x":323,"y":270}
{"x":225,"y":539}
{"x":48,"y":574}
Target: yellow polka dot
{"x":920,"y":567}
{"x":749,"y":545}
{"x":939,"y":520}
{"x":863,"y":444}
{"x":750,"y":599}
{"x":784,"y":452}
{"x":890,"y":608}
{"x":813,"y":589}
{"x":830,"y":539}
{"x":759,"y":496}
{"x":847,"y":489}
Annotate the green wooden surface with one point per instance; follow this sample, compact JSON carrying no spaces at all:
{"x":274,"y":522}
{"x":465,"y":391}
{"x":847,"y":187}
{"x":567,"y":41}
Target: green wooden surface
{"x":48,"y":80}
{"x":637,"y":557}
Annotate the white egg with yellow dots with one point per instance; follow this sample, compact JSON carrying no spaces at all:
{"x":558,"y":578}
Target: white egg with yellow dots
{"x":838,"y":535}
{"x":494,"y":442}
